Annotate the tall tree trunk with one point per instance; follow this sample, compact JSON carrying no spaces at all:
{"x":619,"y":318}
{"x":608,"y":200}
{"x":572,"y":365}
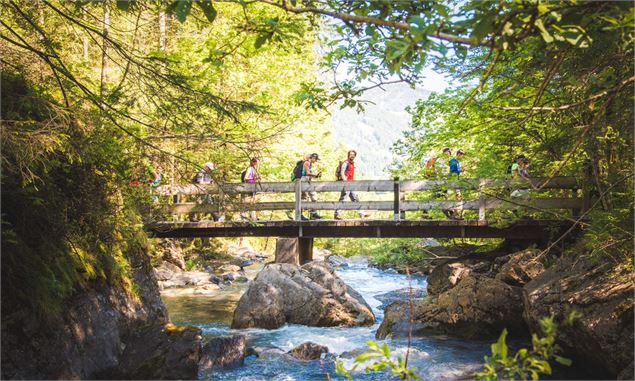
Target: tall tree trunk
{"x":162,"y":30}
{"x":104,"y":49}
{"x":85,"y":47}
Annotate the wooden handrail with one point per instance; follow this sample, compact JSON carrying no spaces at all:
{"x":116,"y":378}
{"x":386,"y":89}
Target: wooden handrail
{"x":366,"y":186}
{"x":398,"y":187}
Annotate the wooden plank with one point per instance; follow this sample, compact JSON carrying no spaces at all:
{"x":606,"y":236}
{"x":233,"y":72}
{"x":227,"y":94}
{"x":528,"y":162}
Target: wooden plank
{"x":409,"y":205}
{"x":298,"y":200}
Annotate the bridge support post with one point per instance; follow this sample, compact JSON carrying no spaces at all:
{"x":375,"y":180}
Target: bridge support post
{"x":296,"y":251}
{"x":305,"y":250}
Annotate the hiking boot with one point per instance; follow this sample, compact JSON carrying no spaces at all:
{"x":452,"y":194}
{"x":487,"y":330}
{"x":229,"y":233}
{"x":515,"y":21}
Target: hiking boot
{"x":363,"y":215}
{"x":337,"y":217}
{"x":315,"y":216}
{"x":303,"y":218}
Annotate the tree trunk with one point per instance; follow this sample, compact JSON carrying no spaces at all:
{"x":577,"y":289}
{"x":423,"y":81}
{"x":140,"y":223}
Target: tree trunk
{"x":162,"y":31}
{"x":104,"y":49}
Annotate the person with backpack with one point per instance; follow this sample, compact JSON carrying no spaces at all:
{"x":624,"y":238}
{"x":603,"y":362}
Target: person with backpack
{"x":520,"y":170}
{"x":455,"y":172}
{"x":204,"y":177}
{"x":250,"y":176}
{"x":346,"y":172}
{"x":309,"y":172}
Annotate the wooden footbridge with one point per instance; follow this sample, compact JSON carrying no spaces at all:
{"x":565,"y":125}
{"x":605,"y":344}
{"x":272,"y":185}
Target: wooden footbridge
{"x":553,"y":203}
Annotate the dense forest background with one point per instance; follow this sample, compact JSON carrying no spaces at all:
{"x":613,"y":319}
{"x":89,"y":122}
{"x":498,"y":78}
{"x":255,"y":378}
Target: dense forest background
{"x":95,"y":94}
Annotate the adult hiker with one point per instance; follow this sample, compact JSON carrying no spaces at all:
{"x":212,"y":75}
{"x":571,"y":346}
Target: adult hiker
{"x":297,"y":175}
{"x":346,"y":172}
{"x":204,"y":177}
{"x":309,"y":172}
{"x":250,"y":176}
{"x":520,"y":171}
{"x":455,"y":172}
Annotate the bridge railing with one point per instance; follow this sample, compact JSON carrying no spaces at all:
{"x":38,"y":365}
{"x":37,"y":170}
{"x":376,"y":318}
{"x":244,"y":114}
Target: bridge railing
{"x":213,"y":198}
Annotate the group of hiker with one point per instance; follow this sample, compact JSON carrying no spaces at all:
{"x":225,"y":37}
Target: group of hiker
{"x":306,"y":170}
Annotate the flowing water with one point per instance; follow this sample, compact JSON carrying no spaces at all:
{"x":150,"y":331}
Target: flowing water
{"x":435,"y":358}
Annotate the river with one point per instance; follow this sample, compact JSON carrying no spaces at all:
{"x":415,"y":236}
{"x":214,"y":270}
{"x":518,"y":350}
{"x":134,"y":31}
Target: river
{"x":439,"y":358}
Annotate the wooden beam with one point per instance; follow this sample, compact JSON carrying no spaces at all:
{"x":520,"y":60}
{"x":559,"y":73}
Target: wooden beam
{"x":409,"y":205}
{"x":367,"y":186}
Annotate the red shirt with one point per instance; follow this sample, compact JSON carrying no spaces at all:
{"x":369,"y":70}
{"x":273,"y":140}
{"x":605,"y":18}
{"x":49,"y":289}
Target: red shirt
{"x":349,"y":171}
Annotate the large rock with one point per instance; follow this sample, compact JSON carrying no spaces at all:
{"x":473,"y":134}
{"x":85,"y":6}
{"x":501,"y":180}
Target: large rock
{"x":223,"y":352}
{"x":519,"y":268}
{"x":446,"y":276}
{"x":103,"y":333}
{"x":602,"y":338}
{"x":166,"y":271}
{"x":173,"y":253}
{"x":477,"y":307}
{"x":172,"y":353}
{"x":311,"y":295}
{"x":308,"y":351}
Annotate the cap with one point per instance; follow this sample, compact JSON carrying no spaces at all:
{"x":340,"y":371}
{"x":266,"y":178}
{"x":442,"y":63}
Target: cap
{"x":315,"y":156}
{"x":209,"y":165}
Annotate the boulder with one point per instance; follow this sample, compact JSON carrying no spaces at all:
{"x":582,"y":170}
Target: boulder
{"x":602,"y":292}
{"x":223,"y":352}
{"x":477,"y":307}
{"x":172,"y":353}
{"x":228,"y":268}
{"x":173,"y":253}
{"x":446,"y":276}
{"x":166,"y":271}
{"x":230,"y":276}
{"x":337,"y":261}
{"x":521,"y":267}
{"x":311,"y":295}
{"x":403,"y":294}
{"x":308,"y":351}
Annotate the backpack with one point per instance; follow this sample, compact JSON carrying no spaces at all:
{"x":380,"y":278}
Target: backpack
{"x":242,"y":176}
{"x":194,"y":179}
{"x":297,"y":171}
{"x":338,"y":171}
{"x":430,"y":162}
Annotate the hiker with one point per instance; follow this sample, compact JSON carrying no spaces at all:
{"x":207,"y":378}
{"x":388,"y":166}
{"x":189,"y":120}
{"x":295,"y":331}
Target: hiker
{"x":309,"y":173}
{"x":155,"y":180}
{"x":250,"y":176}
{"x":430,"y":167}
{"x":431,"y":172}
{"x":515,"y":168}
{"x":520,"y":170}
{"x":204,"y":177}
{"x":455,"y":172}
{"x":296,"y":175}
{"x":346,"y":172}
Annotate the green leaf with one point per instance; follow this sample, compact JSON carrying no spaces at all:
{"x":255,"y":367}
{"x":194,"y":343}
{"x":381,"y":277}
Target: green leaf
{"x":182,"y":9}
{"x":499,"y":348}
{"x":543,"y":31}
{"x":208,"y":9}
{"x":563,"y":360}
{"x":366,"y":355}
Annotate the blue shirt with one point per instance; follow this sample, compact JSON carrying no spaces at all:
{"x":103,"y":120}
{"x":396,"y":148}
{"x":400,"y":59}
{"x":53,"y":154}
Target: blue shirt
{"x":455,"y":166}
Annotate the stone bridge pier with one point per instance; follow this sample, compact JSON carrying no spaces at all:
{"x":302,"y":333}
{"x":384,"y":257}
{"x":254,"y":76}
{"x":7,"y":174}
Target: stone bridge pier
{"x":296,"y":251}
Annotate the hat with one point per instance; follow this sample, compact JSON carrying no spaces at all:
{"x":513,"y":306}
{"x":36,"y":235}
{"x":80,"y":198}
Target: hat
{"x":209,"y":165}
{"x":315,"y":156}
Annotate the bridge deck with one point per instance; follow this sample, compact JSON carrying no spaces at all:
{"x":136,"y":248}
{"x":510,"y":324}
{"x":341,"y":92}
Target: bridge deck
{"x":523,"y":229}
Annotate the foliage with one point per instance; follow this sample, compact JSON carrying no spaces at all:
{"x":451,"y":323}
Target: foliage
{"x":526,"y":363}
{"x":382,"y":361}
